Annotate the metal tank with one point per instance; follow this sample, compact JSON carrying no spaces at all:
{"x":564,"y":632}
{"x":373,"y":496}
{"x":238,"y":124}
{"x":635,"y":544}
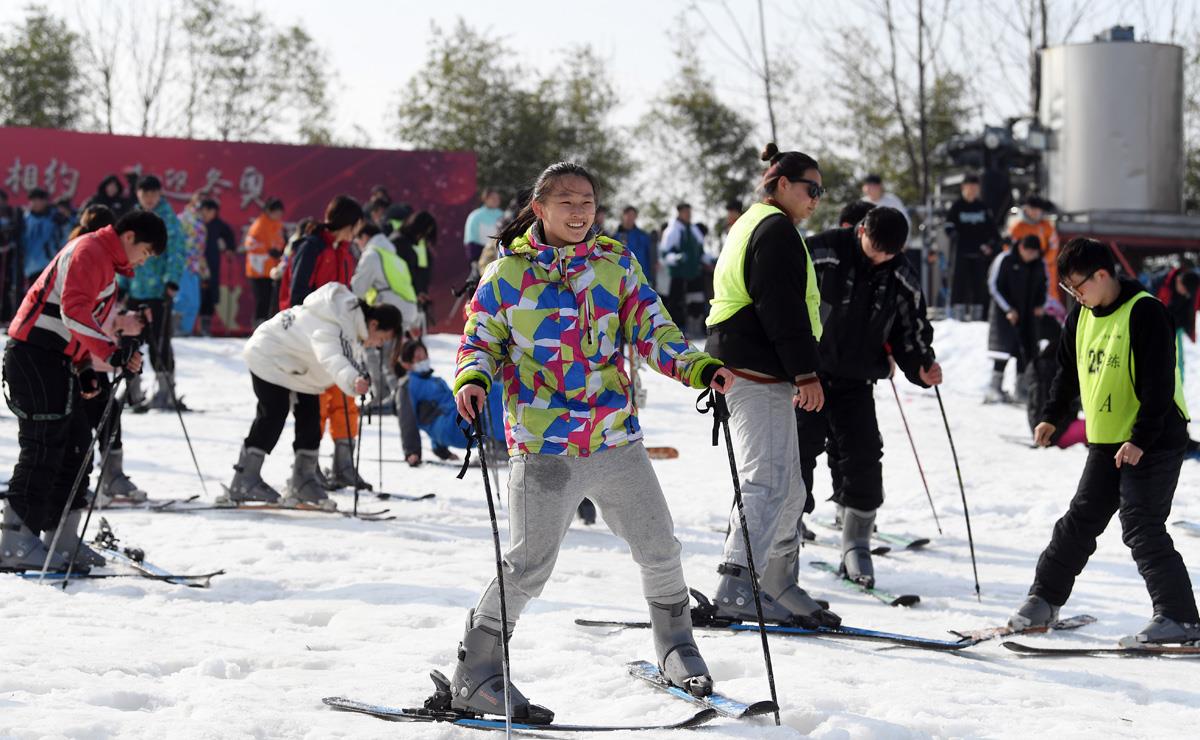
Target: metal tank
{"x":1114,"y":110}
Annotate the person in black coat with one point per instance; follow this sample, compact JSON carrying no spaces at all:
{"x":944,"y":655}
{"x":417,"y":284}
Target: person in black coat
{"x":218,"y":238}
{"x":111,"y":194}
{"x":971,"y":226}
{"x":1017,"y":283}
{"x":870,"y":303}
{"x":415,"y":242}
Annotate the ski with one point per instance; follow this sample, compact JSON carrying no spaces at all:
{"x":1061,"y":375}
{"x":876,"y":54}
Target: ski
{"x":991,"y":633}
{"x":476,"y":722}
{"x":120,"y":503}
{"x":899,"y":540}
{"x":370,"y":516}
{"x":884,"y":596}
{"x":387,"y":496}
{"x":662,"y":453}
{"x":176,"y":578}
{"x":1144,"y":651}
{"x":844,"y":632}
{"x":106,"y":543}
{"x":1192,"y":528}
{"x":720,"y":703}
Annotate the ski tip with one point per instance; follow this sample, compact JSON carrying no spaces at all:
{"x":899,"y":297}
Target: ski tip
{"x":917,"y":544}
{"x":699,"y":718}
{"x":759,"y":708}
{"x":906,"y":600}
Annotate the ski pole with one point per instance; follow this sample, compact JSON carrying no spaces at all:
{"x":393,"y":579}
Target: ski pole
{"x":87,"y":458}
{"x":720,"y":409}
{"x":187,"y":437}
{"x":916,"y":457}
{"x":480,"y":435}
{"x":379,"y":431}
{"x":358,"y":457}
{"x":962,"y":490}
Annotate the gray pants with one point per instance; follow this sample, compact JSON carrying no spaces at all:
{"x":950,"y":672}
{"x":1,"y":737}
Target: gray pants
{"x":763,"y":426}
{"x":543,"y":493}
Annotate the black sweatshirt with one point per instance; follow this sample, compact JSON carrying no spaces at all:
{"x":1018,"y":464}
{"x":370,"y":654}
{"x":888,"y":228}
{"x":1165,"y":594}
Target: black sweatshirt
{"x":773,"y":335}
{"x":1159,"y":423}
{"x":974,"y":226}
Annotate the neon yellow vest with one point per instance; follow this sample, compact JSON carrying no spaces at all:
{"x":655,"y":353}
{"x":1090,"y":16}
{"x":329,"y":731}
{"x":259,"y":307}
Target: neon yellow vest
{"x":729,"y":278}
{"x":1104,"y":363}
{"x":422,"y":253}
{"x":395,"y":270}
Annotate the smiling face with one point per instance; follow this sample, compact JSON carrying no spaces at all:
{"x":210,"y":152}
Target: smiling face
{"x":567,"y":211}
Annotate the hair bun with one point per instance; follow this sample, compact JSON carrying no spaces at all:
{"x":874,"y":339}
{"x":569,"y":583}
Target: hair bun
{"x":769,"y":152}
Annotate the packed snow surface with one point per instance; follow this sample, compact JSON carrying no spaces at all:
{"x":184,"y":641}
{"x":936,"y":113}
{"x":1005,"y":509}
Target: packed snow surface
{"x":316,"y":605}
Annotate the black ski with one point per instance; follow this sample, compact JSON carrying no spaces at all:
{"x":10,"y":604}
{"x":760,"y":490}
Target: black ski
{"x":476,"y":722}
{"x":176,"y":578}
{"x":370,"y":516}
{"x":884,"y":596}
{"x":1192,"y":528}
{"x":1144,"y":651}
{"x":119,"y":503}
{"x":718,"y":702}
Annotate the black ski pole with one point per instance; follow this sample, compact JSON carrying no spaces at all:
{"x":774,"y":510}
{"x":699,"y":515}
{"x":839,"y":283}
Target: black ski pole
{"x":358,"y":447}
{"x":480,"y":435}
{"x":79,"y":476}
{"x":916,"y":457}
{"x":379,"y":431}
{"x":721,"y":418}
{"x":962,"y":490}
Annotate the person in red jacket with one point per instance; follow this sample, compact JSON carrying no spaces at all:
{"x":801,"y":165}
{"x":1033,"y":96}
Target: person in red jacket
{"x":47,"y":373}
{"x":326,"y":255}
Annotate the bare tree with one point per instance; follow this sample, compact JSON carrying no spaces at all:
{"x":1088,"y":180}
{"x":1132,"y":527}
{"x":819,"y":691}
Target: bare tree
{"x":757,"y":64}
{"x":101,"y":36}
{"x":152,"y":63}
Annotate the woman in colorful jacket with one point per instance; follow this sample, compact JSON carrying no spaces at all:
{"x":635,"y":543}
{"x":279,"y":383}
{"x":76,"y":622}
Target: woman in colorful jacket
{"x":550,"y":320}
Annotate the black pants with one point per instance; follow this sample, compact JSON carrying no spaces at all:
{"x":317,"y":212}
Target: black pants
{"x":272,"y":412}
{"x":262,"y":288}
{"x":1141,"y":496}
{"x":94,"y":408}
{"x":970,"y":279}
{"x":847,"y":431}
{"x":158,"y":334}
{"x":52,"y":430}
{"x":679,"y":305}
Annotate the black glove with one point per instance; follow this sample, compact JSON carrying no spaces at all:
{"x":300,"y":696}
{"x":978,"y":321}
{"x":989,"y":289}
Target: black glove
{"x":275,"y":253}
{"x":124,"y":352}
{"x":89,"y":381}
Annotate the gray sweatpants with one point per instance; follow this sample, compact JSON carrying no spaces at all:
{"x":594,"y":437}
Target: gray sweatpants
{"x":543,"y":494}
{"x":763,"y":426}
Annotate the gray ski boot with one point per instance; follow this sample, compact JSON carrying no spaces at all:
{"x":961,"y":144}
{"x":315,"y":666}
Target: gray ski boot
{"x":1163,"y":630}
{"x":304,"y":487}
{"x":478,"y":681}
{"x":20,"y":548}
{"x":857,"y":526}
{"x":1021,"y":397}
{"x":1034,"y":613}
{"x":678,"y":657}
{"x":247,"y":483}
{"x":344,"y":474}
{"x":781,"y":582}
{"x":995,"y":392}
{"x":161,"y":400}
{"x":135,"y":396}
{"x":87,"y":557}
{"x":735,"y":598}
{"x":115,"y":484}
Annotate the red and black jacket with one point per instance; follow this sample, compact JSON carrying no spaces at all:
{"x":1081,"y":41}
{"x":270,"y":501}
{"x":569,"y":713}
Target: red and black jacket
{"x":317,"y":260}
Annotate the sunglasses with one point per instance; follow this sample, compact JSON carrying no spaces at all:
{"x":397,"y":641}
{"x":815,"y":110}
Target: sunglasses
{"x":1074,"y":289}
{"x":815,"y":189}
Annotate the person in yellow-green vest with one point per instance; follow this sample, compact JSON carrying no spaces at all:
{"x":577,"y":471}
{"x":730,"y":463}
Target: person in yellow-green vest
{"x":415,"y":241}
{"x":871,"y":306}
{"x":765,"y":325}
{"x":381,"y":276}
{"x":1117,"y":355}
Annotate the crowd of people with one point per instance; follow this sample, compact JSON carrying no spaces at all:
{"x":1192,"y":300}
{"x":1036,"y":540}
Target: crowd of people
{"x":559,"y":312}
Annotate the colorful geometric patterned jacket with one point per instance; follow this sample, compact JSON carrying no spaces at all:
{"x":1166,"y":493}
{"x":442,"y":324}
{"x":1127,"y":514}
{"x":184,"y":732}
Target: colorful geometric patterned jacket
{"x":553,"y":323}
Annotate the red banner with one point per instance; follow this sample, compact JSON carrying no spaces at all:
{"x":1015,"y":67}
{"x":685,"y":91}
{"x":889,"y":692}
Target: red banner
{"x":243,"y":176}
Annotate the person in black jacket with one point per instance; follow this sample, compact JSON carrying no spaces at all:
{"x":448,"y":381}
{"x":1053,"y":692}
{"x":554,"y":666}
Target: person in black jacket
{"x":870,"y":301}
{"x":976,"y":238}
{"x":1017,"y":282}
{"x":415,"y":242}
{"x":218,"y":239}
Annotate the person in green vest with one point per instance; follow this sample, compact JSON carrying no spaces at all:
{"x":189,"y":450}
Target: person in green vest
{"x":872,"y":313}
{"x":1117,"y":355}
{"x":765,"y":325}
{"x":381,"y":276}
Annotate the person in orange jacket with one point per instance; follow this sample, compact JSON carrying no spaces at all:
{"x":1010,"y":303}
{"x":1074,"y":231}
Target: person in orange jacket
{"x":264,"y":246}
{"x":1033,"y":222}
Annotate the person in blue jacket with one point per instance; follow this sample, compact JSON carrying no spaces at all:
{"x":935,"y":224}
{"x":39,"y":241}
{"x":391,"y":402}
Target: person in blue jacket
{"x":424,"y":402}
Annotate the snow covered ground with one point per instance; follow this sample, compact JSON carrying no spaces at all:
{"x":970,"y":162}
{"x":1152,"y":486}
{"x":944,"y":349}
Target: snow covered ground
{"x":317,"y":605}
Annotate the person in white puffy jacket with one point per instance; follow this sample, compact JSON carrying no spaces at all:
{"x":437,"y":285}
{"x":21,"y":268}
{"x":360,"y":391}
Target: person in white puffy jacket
{"x":303,"y":351}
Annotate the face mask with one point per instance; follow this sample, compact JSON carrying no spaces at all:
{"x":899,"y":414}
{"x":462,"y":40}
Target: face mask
{"x":422,"y":367}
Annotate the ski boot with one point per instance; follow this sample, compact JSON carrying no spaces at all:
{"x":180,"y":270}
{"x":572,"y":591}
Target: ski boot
{"x":304,"y":487}
{"x":587,"y":511}
{"x":114,"y":484}
{"x":1035,"y":612}
{"x":69,"y":539}
{"x":678,"y":657}
{"x":857,"y":526}
{"x":781,"y":582}
{"x":161,"y":400}
{"x":735,"y":598}
{"x":1021,"y":396}
{"x":1164,"y":630}
{"x":20,"y":548}
{"x":478,"y":681}
{"x":344,"y":474}
{"x":135,"y":396}
{"x":995,"y":392}
{"x":247,"y":483}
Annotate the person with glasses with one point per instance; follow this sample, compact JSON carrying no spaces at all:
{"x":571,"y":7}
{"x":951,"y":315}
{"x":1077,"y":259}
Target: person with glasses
{"x":765,"y":324}
{"x":870,"y":302}
{"x":1117,"y":355}
{"x":1017,"y":283}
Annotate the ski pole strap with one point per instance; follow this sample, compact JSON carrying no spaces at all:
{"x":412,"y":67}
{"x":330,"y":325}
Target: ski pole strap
{"x":715,"y":402}
{"x":474,"y":435}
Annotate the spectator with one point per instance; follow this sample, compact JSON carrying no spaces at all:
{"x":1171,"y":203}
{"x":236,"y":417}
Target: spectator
{"x":1032,"y":221}
{"x":1017,"y":283}
{"x":65,"y":218}
{"x":110,"y":193}
{"x":376,"y":212}
{"x":218,"y":238}
{"x":873,"y":192}
{"x":482,"y":224}
{"x":10,"y":253}
{"x":601,"y":221}
{"x":415,"y":242}
{"x":638,"y":242}
{"x":264,"y":246}
{"x":195,"y":273}
{"x":682,"y":251}
{"x":976,"y":239}
{"x":40,"y":236}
